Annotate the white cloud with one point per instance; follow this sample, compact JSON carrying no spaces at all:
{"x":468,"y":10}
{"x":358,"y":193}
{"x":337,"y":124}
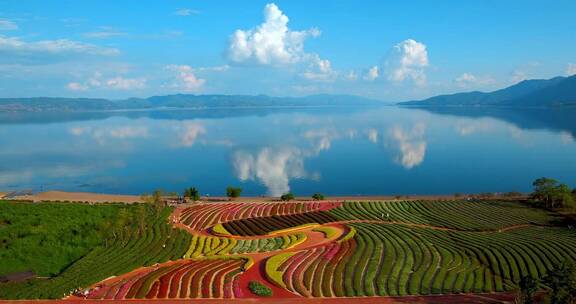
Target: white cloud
{"x":518,"y":76}
{"x":120,"y":83}
{"x":465,"y":79}
{"x":186,"y":12}
{"x":352,"y":76}
{"x":410,"y":144}
{"x":321,"y":138}
{"x":373,"y":135}
{"x":129,"y":132}
{"x":12,"y":46}
{"x":567,"y":137}
{"x":408,"y":61}
{"x":468,"y":127}
{"x":189,"y":133}
{"x":526,"y":71}
{"x":468,"y":80}
{"x":104,"y":33}
{"x":571,"y":69}
{"x":273,"y":167}
{"x":271,"y":43}
{"x":103,"y":134}
{"x":186,"y":79}
{"x":372,"y":73}
{"x":75,"y":86}
{"x":320,"y":70}
{"x":220,"y":68}
{"x":7,"y":25}
{"x":115,"y":83}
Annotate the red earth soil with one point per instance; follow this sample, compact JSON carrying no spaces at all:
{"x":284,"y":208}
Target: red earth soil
{"x":441,"y":299}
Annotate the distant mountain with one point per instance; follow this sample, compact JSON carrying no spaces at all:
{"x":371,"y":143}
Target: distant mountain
{"x":558,"y":91}
{"x":44,"y":104}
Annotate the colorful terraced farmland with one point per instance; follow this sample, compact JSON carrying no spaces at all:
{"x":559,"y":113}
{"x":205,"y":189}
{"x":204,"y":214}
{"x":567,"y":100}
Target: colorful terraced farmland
{"x":186,"y":279}
{"x":213,"y":246}
{"x":203,"y":216}
{"x":328,"y":250}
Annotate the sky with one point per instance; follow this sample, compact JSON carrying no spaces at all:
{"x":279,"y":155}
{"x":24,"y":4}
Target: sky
{"x":391,"y":51}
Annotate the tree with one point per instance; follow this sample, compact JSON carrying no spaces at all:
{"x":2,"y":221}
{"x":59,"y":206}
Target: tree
{"x":552,"y":194}
{"x":157,"y":199}
{"x":233,"y":192}
{"x":563,"y":196}
{"x":318,"y":196}
{"x":192,"y":193}
{"x":562,"y":284}
{"x":287,"y":197}
{"x":544,"y":189}
{"x":528,"y":287}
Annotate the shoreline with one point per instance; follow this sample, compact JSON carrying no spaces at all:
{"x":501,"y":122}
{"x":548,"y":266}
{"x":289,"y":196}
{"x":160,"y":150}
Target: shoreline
{"x":90,"y":197}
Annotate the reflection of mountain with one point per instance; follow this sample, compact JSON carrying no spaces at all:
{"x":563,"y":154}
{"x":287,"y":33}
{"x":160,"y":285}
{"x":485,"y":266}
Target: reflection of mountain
{"x":181,"y":114}
{"x":556,"y":120}
{"x":558,"y":91}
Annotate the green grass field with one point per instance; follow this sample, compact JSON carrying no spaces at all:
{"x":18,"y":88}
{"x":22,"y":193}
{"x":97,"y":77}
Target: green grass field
{"x":78,"y":245}
{"x":48,"y":237}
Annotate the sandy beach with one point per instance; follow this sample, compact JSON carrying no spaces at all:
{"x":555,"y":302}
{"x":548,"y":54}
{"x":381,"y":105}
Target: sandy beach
{"x":80,"y":197}
{"x":105,"y":198}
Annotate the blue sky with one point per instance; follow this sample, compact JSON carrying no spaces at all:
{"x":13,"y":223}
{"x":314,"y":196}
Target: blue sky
{"x":390,"y":51}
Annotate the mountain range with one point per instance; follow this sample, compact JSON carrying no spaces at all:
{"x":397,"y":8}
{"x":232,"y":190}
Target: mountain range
{"x":178,"y":101}
{"x":555,"y":92}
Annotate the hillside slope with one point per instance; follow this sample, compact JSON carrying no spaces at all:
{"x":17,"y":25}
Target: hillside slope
{"x":558,"y":91}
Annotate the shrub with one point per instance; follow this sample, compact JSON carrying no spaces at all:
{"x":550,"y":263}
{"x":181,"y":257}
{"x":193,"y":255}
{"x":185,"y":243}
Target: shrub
{"x":512,"y":194}
{"x":259,"y":289}
{"x":192,"y":193}
{"x":318,"y":196}
{"x":233,"y":192}
{"x":287,"y":197}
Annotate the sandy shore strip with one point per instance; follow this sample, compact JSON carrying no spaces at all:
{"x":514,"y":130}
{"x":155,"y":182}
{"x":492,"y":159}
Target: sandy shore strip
{"x":103,"y":198}
{"x":80,"y":197}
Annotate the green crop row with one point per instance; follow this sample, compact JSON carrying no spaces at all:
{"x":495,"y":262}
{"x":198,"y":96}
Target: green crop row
{"x":146,"y":239}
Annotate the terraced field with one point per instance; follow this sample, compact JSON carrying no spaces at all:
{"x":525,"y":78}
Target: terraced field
{"x":321,"y":250}
{"x":215,"y":246}
{"x":185,"y":279}
{"x":201,"y":217}
{"x":389,"y":260}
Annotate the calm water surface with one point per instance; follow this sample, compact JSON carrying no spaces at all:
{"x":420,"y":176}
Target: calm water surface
{"x":336,"y":151}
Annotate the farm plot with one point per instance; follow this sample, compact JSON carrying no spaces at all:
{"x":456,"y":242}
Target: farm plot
{"x":461,"y":215}
{"x":185,"y":279}
{"x":203,"y":216}
{"x":391,"y":260}
{"x":266,"y":225}
{"x":216,"y":246}
{"x":352,"y":249}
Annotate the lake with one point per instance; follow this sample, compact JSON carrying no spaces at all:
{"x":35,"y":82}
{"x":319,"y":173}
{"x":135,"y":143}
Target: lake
{"x":335,"y":151}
